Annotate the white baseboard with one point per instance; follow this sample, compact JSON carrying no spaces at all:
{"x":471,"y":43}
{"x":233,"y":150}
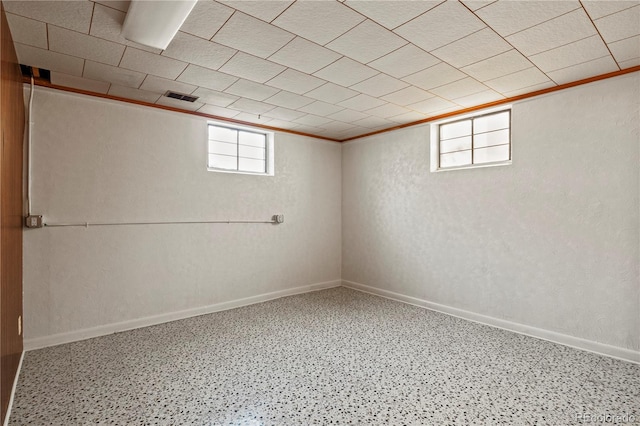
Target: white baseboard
{"x":539,"y":333}
{"x":88,"y":333}
{"x":13,"y":390}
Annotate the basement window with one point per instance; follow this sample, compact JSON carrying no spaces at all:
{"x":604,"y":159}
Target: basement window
{"x":235,"y":149}
{"x":478,"y":140}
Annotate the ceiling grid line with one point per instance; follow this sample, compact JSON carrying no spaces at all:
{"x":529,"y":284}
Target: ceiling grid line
{"x":600,"y":34}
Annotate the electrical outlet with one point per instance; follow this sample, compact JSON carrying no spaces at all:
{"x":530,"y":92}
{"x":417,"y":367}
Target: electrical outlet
{"x":278,"y":218}
{"x":33,"y":221}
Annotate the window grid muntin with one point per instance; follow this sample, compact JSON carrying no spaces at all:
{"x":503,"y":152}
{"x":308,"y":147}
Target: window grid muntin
{"x":472,"y":135}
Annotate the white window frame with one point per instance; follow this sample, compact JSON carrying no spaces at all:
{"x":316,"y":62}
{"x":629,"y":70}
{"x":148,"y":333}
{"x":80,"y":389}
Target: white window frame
{"x":269,"y":154}
{"x":435,"y":139}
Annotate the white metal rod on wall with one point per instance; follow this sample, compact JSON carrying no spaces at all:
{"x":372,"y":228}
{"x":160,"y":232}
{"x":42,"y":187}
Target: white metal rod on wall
{"x":275,"y":219}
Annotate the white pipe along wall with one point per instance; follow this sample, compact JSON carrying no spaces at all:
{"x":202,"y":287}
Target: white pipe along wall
{"x":97,"y":160}
{"x":548,"y":245}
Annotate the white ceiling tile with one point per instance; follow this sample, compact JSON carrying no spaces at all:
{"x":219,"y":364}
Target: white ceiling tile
{"x":161,"y":85}
{"x":346,"y":72}
{"x":74,"y":15}
{"x":391,"y":13}
{"x":477,"y":4}
{"x":295,"y":81}
{"x":624,"y":50}
{"x":41,"y":58}
{"x":313,"y":120}
{"x":458,"y":89}
{"x":598,"y":8}
{"x":205,"y":77}
{"x":285,"y":114}
{"x":530,"y":89}
{"x":304,"y":56}
{"x":480,"y":45}
{"x":107,"y":24}
{"x":289,"y":100}
{"x":318,"y":21}
{"x":310,"y":130}
{"x":177,"y":103}
{"x":629,"y":63}
{"x":249,"y":89}
{"x":366,"y":42}
{"x":251,"y":68}
{"x":409,"y":117}
{"x":562,"y":30}
{"x":265,"y":10}
{"x":497,"y":66}
{"x":122,"y":5}
{"x":387,"y":111}
{"x":361,"y":102}
{"x":252,"y":35}
{"x":374,"y":122}
{"x":85,"y":46}
{"x":435,"y":76}
{"x":206,"y":18}
{"x":150,"y":63}
{"x":479,"y":98}
{"x":214,"y":98}
{"x":447,"y":22}
{"x":27,"y":31}
{"x":620,"y":25}
{"x":218,"y":111}
{"x":570,"y":54}
{"x":407,"y":96}
{"x":331,"y":93}
{"x":339,"y":126}
{"x":353,"y":133}
{"x":321,"y":108}
{"x":251,"y":106}
{"x":67,"y":80}
{"x":131,"y":93}
{"x":347,"y":115}
{"x":195,"y":50}
{"x":379,"y":85}
{"x":253,"y":118}
{"x":588,"y":69}
{"x":508,"y":17}
{"x":517,"y":80}
{"x":283,"y":124}
{"x":404,"y":61}
{"x":115,"y":75}
{"x":432,"y":105}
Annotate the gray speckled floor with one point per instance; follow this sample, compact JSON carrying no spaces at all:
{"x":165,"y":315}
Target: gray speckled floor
{"x":331,"y":357}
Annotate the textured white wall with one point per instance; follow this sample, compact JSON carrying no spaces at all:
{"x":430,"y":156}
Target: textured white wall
{"x":551,"y":241}
{"x":97,"y":160}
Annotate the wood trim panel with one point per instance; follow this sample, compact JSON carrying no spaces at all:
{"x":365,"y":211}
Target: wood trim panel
{"x":11,"y":213}
{"x":504,"y":101}
{"x":44,"y":83}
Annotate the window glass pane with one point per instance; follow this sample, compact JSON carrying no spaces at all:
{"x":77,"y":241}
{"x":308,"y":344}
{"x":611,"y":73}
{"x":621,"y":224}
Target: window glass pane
{"x":457,"y":144}
{"x":251,"y":152}
{"x":253,"y":139}
{"x":491,"y":154}
{"x":491,"y":122}
{"x":461,"y":158}
{"x":225,"y":148}
{"x":497,"y":137}
{"x":455,"y":130}
{"x":249,"y":165}
{"x":223,"y":162}
{"x":222,"y":134}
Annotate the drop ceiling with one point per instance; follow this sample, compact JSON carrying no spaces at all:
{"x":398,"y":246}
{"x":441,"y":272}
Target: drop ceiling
{"x":328,"y":68}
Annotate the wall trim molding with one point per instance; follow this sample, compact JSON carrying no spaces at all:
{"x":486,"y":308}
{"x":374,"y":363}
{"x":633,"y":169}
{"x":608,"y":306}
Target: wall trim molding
{"x":103,"y":330}
{"x":624,"y":354}
{"x":13,"y":391}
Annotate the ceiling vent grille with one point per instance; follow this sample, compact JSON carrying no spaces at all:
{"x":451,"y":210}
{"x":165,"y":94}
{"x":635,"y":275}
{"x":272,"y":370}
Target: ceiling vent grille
{"x":180,"y":96}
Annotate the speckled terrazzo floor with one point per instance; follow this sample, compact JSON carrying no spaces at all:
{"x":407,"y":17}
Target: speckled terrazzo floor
{"x":330,"y":357}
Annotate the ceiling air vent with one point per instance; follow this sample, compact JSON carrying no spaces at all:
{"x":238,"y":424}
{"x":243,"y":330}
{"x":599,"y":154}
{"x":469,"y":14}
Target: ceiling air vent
{"x":180,"y":96}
